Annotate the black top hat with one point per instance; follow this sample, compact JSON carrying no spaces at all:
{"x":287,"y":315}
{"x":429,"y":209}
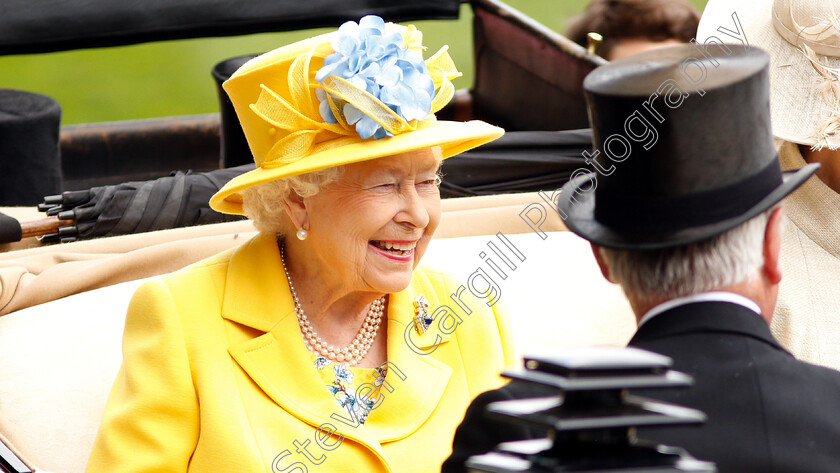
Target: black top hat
{"x":30,"y":163}
{"x":684,"y":148}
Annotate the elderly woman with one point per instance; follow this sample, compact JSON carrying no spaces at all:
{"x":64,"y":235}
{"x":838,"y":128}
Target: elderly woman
{"x":318,"y":345}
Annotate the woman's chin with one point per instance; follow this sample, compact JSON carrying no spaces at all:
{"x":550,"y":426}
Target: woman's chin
{"x":389,"y":282}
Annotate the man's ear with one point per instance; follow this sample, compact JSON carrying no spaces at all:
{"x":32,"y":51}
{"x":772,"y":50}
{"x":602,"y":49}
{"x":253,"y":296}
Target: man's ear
{"x":295,"y":206}
{"x":599,"y":258}
{"x":772,"y":246}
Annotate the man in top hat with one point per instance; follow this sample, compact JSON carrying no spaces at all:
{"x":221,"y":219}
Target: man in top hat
{"x":684,"y":213}
{"x":803,"y":39}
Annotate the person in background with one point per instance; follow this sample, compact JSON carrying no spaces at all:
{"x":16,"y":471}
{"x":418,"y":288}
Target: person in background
{"x":632,"y":26}
{"x":690,"y":227}
{"x":319,"y":344}
{"x":803,"y":39}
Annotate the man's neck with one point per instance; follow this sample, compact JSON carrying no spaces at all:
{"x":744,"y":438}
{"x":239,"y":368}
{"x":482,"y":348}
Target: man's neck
{"x":752,"y":290}
{"x":829,"y":171}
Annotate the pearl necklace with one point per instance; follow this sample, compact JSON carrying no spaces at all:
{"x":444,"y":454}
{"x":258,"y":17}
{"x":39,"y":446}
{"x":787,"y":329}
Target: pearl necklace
{"x":358,"y":348}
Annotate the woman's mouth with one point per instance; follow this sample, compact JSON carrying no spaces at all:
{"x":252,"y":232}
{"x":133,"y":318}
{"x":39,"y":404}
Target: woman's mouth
{"x":395,"y":249}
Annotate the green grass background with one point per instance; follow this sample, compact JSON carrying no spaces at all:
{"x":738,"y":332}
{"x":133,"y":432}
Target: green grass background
{"x":173,"y":77}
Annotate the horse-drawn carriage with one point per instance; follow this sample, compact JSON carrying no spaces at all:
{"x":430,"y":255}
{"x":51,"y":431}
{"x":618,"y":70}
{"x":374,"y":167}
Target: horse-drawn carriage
{"x":63,"y":304}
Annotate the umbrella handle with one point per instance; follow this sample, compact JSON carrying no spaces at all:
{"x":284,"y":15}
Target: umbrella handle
{"x":43,"y":226}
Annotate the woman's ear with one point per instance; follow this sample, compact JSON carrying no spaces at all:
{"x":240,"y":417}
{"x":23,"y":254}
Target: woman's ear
{"x":295,"y":206}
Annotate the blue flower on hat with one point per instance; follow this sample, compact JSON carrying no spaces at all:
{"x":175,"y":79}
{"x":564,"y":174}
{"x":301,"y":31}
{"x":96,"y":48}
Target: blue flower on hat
{"x":378,"y":62}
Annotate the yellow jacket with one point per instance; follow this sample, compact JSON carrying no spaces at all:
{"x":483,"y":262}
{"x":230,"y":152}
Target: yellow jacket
{"x":215,"y":377}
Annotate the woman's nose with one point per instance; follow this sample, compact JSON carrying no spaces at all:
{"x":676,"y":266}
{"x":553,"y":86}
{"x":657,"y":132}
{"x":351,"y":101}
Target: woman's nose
{"x":412,"y":208}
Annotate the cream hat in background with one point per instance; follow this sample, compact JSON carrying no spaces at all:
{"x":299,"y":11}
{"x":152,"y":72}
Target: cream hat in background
{"x":803,"y":40}
{"x":308,"y":106}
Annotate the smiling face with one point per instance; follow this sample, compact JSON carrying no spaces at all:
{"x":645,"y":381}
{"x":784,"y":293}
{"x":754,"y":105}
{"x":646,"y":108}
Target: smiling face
{"x":369,"y":229}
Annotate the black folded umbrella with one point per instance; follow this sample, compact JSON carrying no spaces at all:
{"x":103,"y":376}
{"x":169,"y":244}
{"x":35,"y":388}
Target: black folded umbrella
{"x":519,"y":161}
{"x":178,"y":200}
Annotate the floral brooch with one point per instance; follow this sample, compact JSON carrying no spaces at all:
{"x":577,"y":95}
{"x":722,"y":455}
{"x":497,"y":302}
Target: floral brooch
{"x":422,"y":318}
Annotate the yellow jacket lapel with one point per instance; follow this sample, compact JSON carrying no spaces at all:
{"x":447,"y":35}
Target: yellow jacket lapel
{"x":416,"y":380}
{"x":277,"y":360}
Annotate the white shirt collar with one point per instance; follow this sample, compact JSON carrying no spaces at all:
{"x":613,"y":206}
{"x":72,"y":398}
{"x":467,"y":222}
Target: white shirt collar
{"x":717,"y":296}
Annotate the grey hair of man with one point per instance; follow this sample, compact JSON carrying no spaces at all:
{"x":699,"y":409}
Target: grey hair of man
{"x":730,"y":258}
{"x":263,"y":203}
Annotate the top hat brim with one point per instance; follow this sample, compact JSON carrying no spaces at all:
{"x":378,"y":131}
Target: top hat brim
{"x":578,"y":208}
{"x":452,"y":137}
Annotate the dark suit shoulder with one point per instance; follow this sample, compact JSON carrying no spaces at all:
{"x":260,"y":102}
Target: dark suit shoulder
{"x":479,"y":434}
{"x":801,"y":404}
{"x":766,"y":410}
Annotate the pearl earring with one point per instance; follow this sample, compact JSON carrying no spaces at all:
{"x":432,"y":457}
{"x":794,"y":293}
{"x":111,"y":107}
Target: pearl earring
{"x":302,"y":234}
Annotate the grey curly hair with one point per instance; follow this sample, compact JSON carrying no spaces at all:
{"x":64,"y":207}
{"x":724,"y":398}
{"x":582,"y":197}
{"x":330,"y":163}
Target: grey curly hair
{"x":723,"y":260}
{"x":263,"y":203}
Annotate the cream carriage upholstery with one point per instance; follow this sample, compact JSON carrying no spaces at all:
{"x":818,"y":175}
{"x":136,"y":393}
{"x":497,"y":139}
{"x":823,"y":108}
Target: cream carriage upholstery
{"x":64,"y":308}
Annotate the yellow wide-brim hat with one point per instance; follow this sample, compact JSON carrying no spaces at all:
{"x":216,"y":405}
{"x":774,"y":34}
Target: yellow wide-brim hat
{"x":276,"y":98}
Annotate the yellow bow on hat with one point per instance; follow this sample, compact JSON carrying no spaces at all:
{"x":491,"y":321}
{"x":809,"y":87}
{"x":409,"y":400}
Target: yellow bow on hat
{"x":302,"y":129}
